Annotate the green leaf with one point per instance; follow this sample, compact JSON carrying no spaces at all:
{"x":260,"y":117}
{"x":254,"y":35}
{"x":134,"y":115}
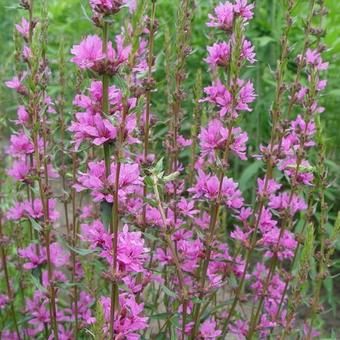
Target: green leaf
{"x":148,"y":181}
{"x":168,"y":292}
{"x":36,"y":226}
{"x":158,"y":167}
{"x":106,"y":213}
{"x":263,"y":41}
{"x":153,"y":203}
{"x":79,"y":251}
{"x":37,"y":284}
{"x":171,"y":177}
{"x":161,"y":316}
{"x":150,"y":237}
{"x":248,"y":174}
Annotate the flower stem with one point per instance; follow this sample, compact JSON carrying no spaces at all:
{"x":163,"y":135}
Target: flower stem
{"x":148,"y":98}
{"x":7,"y":280}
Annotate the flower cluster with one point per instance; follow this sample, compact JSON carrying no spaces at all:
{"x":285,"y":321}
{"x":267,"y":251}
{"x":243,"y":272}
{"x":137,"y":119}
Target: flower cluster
{"x":44,"y":256}
{"x":89,"y":54}
{"x":133,"y":245}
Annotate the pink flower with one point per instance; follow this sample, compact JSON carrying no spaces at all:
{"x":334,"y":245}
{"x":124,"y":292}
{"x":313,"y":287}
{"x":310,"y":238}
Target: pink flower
{"x":16,"y":84}
{"x":28,"y":209}
{"x":299,"y":132}
{"x":35,"y":258}
{"x":58,"y":276}
{"x":102,"y":189}
{"x":246,"y":95}
{"x":207,"y":187}
{"x":95,"y":234}
{"x":283,"y":249}
{"x":266,"y":190}
{"x":130,"y":320}
{"x":19,"y":171}
{"x":239,"y":235}
{"x":303,"y":175}
{"x":223,"y":17}
{"x":219,"y":95}
{"x":4,"y":300}
{"x":208,"y":330}
{"x":87,"y":211}
{"x":182,"y":142}
{"x":215,"y":136}
{"x":59,"y":257}
{"x":283,"y":201}
{"x":20,"y":145}
{"x":189,"y":251}
{"x":106,"y":7}
{"x":238,"y":145}
{"x":132,"y":254}
{"x":187,"y":208}
{"x":266,"y":222}
{"x":24,"y":28}
{"x":248,"y":51}
{"x":84,"y":308}
{"x":38,"y":309}
{"x":36,"y":211}
{"x":313,"y":58}
{"x":239,"y":329}
{"x":17,"y":212}
{"x":23,"y":116}
{"x":93,"y":102}
{"x":219,"y":55}
{"x":321,"y":85}
{"x":242,"y":8}
{"x":93,"y":128}
{"x":26,"y":53}
{"x":313,"y":332}
{"x":89,"y":55}
{"x":163,"y":256}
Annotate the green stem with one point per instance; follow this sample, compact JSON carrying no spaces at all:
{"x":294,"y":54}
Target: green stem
{"x":148,"y":98}
{"x":8,"y":284}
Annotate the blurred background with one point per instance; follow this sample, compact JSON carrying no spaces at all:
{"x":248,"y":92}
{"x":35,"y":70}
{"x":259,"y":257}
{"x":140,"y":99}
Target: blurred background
{"x":69,"y":21}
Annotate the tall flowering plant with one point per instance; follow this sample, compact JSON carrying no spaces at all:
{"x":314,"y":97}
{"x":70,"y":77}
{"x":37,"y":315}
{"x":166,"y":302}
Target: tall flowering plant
{"x":142,"y":246}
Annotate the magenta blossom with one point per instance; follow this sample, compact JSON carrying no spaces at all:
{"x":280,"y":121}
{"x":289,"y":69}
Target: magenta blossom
{"x":313,"y":58}
{"x":102,"y":189}
{"x":93,"y":128}
{"x":21,"y":144}
{"x":129,"y":321}
{"x":132,"y":253}
{"x":19,"y":171}
{"x":37,"y":256}
{"x":89,"y":55}
{"x":23,"y":28}
{"x":219,"y":54}
{"x":106,"y":7}
{"x":223,"y":17}
{"x":208,"y":330}
{"x":95,"y":234}
{"x":23,"y":116}
{"x":16,"y":84}
{"x":93,"y":101}
{"x":207,"y":187}
{"x":34,"y":210}
{"x":215,"y":137}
